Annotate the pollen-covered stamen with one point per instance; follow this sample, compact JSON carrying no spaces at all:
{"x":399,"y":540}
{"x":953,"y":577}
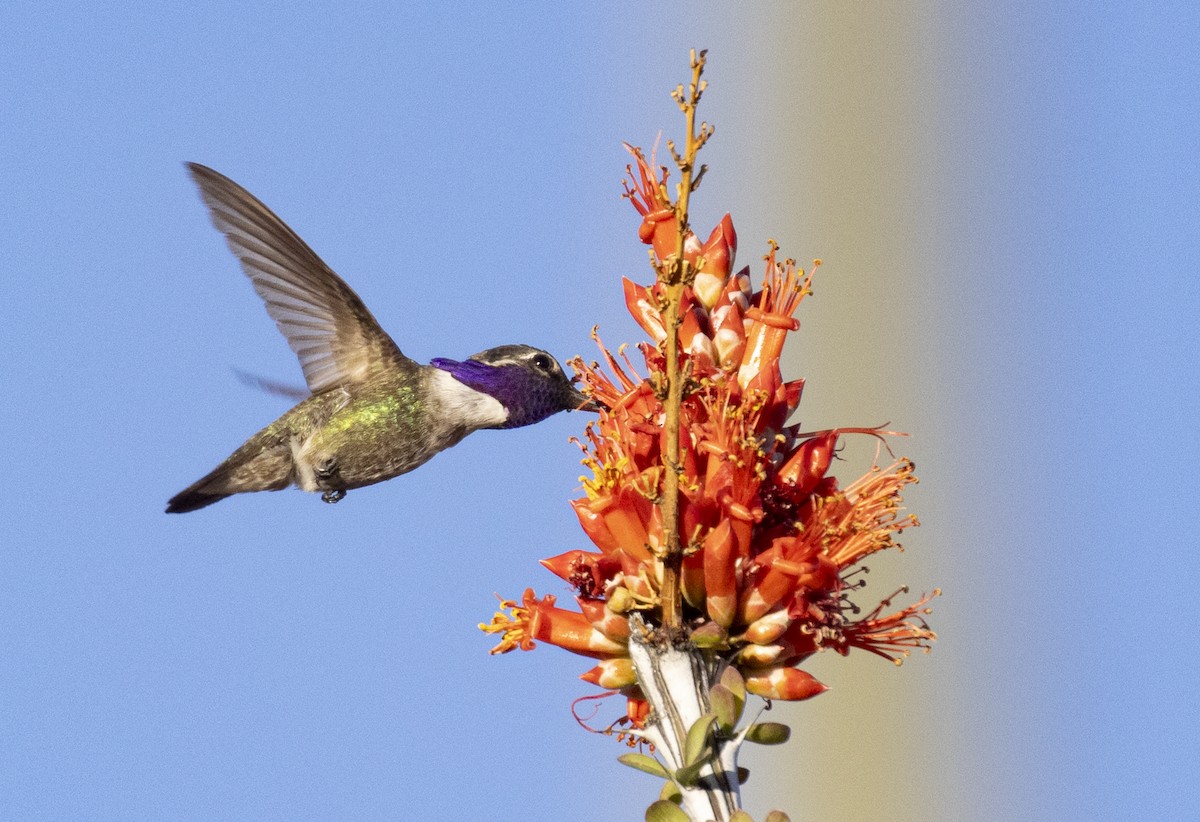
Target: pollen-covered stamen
{"x":848,"y":586}
{"x":645,"y":193}
{"x":606,"y":478}
{"x":513,"y":626}
{"x":616,"y":393}
{"x":896,"y":635}
{"x":865,"y":517}
{"x":627,"y":383}
{"x":785,"y":286}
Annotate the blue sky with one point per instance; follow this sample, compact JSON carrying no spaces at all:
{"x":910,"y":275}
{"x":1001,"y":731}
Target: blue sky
{"x":1005,"y":197}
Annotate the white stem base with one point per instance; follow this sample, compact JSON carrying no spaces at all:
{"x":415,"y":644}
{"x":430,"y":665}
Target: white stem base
{"x":676,"y":679}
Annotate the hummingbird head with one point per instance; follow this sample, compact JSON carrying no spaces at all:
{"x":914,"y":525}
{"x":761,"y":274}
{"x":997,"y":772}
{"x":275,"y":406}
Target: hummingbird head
{"x":527,"y":381}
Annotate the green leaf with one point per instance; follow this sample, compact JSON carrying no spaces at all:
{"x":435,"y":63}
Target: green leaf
{"x":741,"y":816}
{"x":645,"y":764}
{"x":710,"y":635}
{"x":670,"y":792}
{"x":768,"y":733}
{"x":778,"y":816}
{"x":725,"y":707}
{"x":697,"y":739}
{"x":688,"y":776}
{"x":664,"y":811}
{"x":732,"y":680}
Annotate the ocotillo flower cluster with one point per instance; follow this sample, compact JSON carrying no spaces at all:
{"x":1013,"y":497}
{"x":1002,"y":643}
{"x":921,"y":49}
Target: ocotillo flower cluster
{"x":771,"y":539}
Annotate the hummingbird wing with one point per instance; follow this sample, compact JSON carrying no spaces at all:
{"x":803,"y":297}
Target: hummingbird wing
{"x":325,"y":323}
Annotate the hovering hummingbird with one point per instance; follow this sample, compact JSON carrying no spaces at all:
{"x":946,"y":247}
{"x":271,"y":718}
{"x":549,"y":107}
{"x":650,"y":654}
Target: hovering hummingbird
{"x":374,"y":413}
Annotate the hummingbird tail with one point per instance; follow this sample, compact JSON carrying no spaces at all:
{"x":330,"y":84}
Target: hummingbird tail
{"x":247,"y":469}
{"x":190,"y":500}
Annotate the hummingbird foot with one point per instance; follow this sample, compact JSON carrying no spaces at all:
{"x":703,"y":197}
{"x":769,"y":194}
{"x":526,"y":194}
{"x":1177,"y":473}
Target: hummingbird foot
{"x":325,"y":471}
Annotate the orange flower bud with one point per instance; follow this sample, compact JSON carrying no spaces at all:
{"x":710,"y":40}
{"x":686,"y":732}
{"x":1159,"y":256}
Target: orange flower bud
{"x":627,"y":518}
{"x":807,"y":465}
{"x":729,"y":334}
{"x":640,"y":302}
{"x":708,"y":287}
{"x":594,"y":525}
{"x":738,"y":291}
{"x":613,"y":674}
{"x":783,"y":682}
{"x":691,"y":580}
{"x":612,"y":625}
{"x":767,"y":629}
{"x":694,"y":339}
{"x":759,"y":656}
{"x":637,"y":711}
{"x":792,"y":391}
{"x":719,"y":250}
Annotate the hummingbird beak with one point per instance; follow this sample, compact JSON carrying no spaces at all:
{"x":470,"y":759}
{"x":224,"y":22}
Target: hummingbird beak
{"x":578,"y":401}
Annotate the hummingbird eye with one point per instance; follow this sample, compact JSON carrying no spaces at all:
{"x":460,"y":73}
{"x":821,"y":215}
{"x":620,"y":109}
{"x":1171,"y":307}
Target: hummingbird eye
{"x":542,"y":362}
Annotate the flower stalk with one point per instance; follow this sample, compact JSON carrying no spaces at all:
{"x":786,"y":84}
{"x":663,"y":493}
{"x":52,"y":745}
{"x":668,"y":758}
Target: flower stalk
{"x":676,"y":273}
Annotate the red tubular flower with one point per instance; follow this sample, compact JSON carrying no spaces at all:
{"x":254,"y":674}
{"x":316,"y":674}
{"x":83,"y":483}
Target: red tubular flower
{"x":769,"y":538}
{"x":539,"y":619}
{"x":720,"y":574}
{"x":659,"y":226}
{"x":782,"y":292}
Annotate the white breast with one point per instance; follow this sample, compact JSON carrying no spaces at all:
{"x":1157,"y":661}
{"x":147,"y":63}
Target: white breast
{"x":474,"y":408}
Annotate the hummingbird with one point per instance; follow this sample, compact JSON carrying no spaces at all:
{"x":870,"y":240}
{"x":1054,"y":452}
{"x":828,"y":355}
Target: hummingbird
{"x":373,"y":413}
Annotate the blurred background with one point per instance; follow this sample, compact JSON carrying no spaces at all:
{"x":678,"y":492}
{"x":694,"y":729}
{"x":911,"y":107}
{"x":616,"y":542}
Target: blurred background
{"x":1005,"y":198}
